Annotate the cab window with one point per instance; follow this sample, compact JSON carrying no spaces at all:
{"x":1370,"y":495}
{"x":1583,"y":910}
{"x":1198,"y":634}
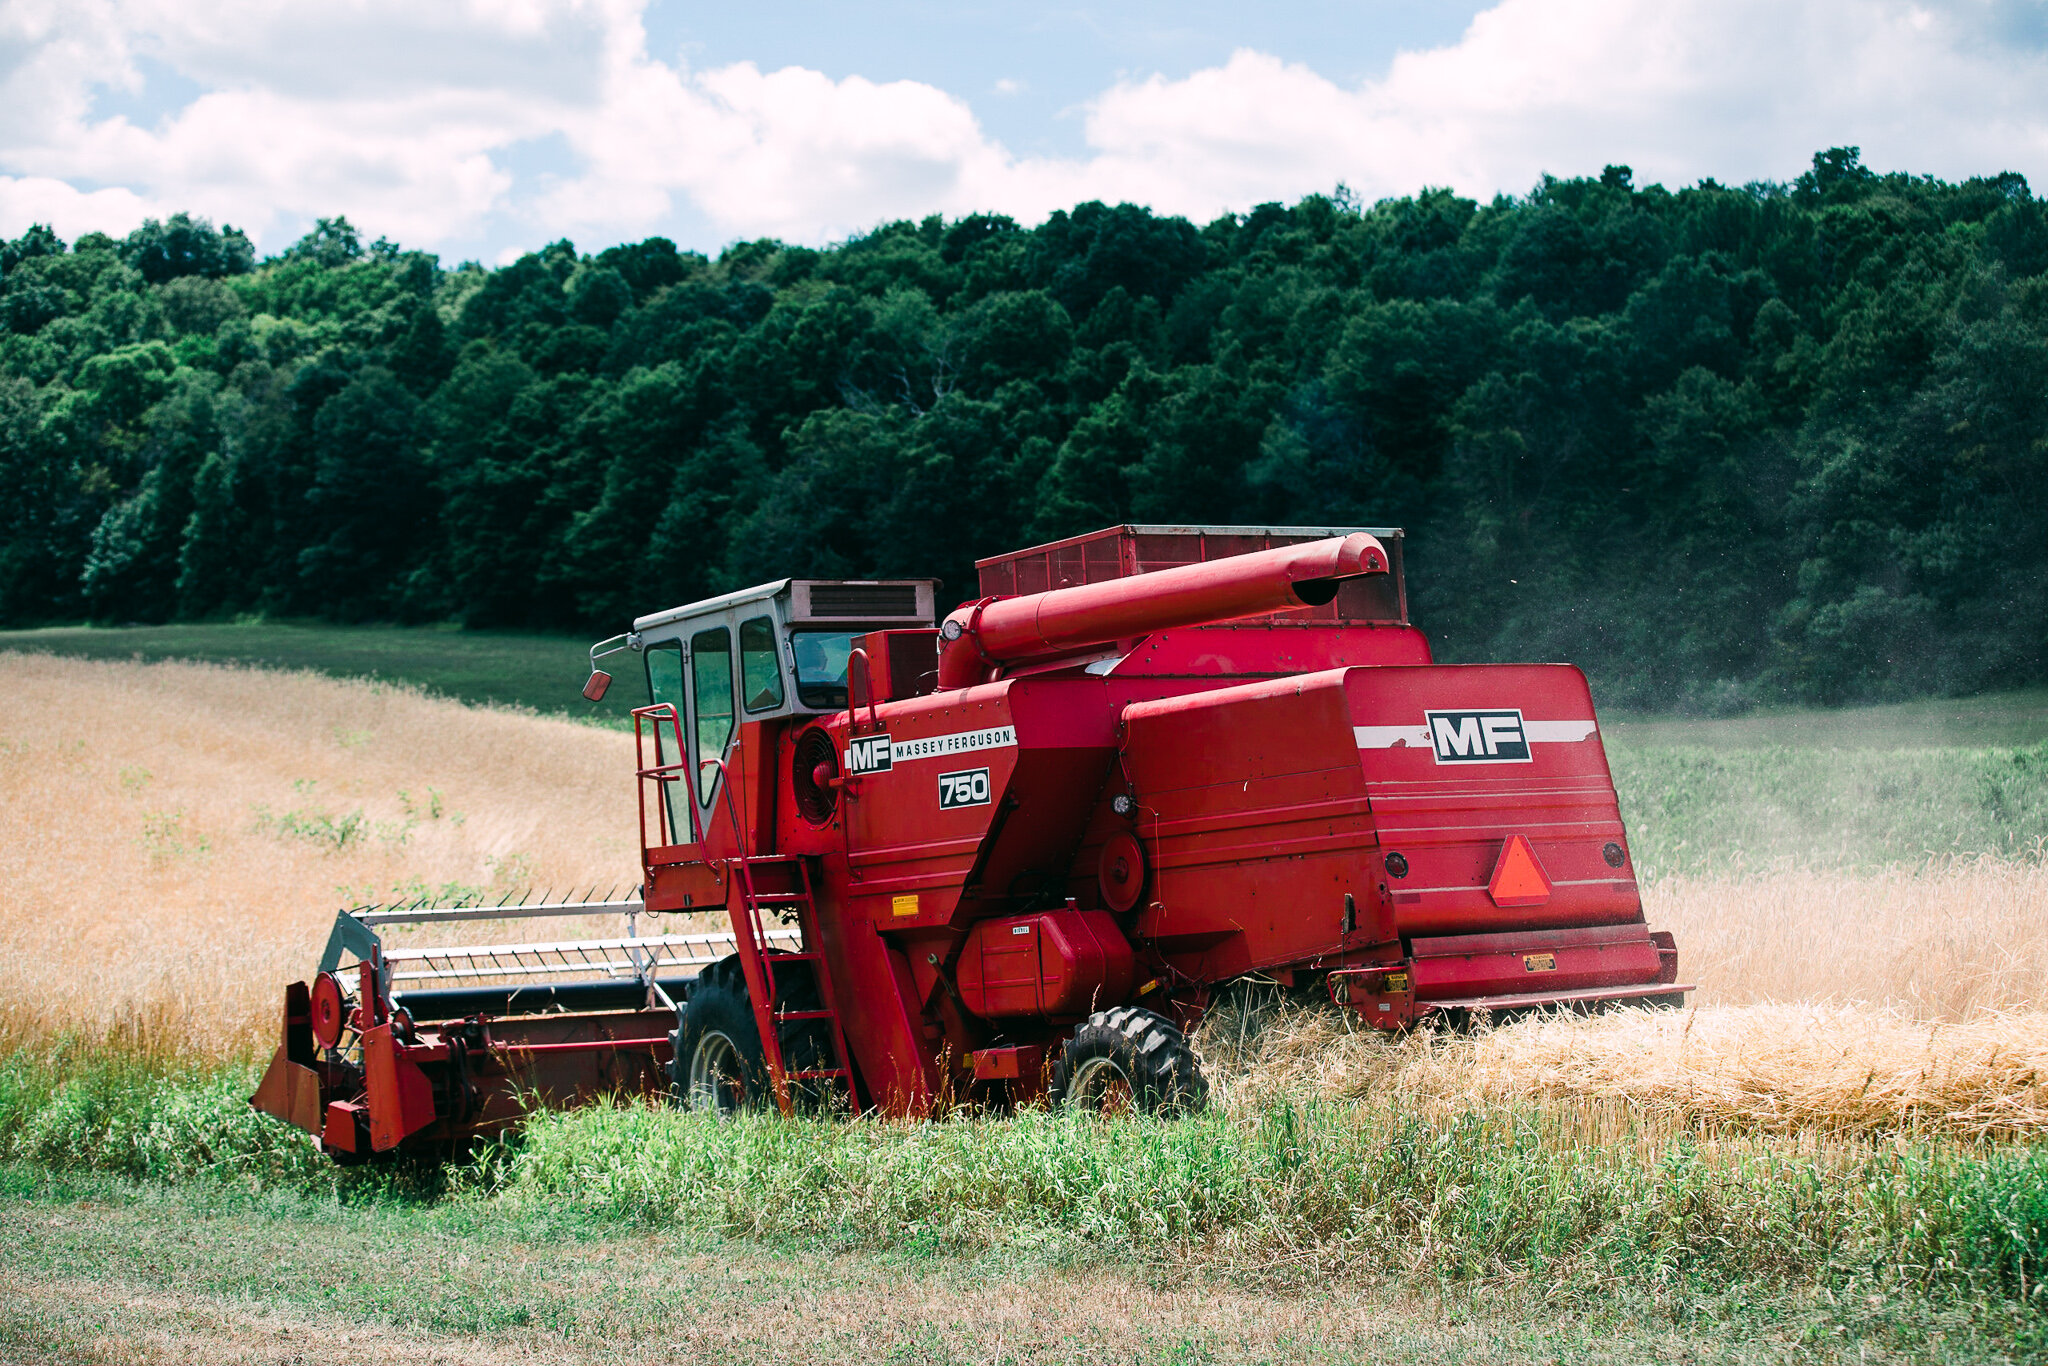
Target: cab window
{"x":821,"y":666}
{"x":711,"y":674}
{"x":665,"y":684}
{"x":760,"y":669}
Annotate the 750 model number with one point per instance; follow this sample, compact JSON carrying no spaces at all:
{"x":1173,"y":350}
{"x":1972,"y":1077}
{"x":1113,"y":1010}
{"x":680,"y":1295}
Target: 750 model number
{"x":966,"y":788}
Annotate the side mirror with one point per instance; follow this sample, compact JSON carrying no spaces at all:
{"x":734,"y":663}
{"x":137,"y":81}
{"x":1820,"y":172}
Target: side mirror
{"x":595,"y":688}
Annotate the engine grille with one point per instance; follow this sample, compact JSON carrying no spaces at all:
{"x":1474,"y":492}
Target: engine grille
{"x":864,"y":600}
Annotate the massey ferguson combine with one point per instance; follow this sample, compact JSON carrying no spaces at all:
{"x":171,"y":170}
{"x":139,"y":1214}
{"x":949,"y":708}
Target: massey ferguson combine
{"x":1015,"y":856}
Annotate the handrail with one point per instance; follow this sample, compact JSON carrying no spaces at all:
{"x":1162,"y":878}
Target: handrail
{"x":655,"y":714}
{"x":739,"y":841}
{"x":867,"y":673}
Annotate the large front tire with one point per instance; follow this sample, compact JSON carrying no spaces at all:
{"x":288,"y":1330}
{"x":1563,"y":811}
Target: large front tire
{"x":718,"y":1065}
{"x":1128,"y":1057}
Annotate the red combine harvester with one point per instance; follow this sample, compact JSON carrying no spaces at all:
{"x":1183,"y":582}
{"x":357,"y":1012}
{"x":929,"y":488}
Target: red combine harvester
{"x":1015,"y":856}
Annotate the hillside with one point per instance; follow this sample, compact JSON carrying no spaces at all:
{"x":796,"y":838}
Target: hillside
{"x":1723,"y":446}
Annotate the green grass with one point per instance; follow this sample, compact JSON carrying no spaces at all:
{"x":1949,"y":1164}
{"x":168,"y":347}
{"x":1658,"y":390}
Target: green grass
{"x":1729,"y":810}
{"x":1493,"y":1199}
{"x":1856,"y":788}
{"x":98,"y":1269}
{"x":543,"y":672}
{"x":1993,"y":720}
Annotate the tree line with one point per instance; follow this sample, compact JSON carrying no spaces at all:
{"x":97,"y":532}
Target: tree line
{"x":1721,"y":445}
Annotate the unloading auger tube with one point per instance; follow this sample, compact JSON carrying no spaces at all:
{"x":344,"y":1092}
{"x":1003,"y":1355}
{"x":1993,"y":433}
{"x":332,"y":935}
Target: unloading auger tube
{"x":1011,"y":855}
{"x":981,"y":638}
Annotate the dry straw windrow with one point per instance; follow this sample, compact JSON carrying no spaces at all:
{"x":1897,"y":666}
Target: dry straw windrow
{"x":1831,"y":1070}
{"x":175,"y":839}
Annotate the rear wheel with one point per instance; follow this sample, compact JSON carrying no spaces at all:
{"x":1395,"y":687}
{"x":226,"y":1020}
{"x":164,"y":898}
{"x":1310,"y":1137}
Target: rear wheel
{"x":1128,"y":1059}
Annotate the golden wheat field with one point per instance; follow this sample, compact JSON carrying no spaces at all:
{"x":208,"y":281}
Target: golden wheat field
{"x":175,"y":839}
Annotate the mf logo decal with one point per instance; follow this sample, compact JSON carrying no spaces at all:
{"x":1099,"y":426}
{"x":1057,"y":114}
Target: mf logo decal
{"x":879,"y":754}
{"x":1478,"y":737}
{"x":870,"y":754}
{"x":966,"y":788}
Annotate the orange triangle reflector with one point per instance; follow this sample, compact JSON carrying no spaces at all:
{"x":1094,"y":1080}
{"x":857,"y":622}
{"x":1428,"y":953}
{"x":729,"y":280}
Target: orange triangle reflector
{"x":1518,"y":879}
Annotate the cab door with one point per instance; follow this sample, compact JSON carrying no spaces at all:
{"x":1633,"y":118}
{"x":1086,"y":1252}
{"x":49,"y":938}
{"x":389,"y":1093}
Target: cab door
{"x":712,"y":727}
{"x":678,"y":875}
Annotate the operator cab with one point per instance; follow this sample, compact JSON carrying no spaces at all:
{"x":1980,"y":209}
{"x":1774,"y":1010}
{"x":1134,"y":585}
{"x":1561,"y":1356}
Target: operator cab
{"x":778,"y":649}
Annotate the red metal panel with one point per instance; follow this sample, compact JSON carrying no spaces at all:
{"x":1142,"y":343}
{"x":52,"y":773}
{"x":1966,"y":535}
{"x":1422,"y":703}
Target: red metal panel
{"x":1456,"y":945}
{"x":1085,"y":962}
{"x":1264,"y":647}
{"x":1008,"y":1064}
{"x":1448,"y":820}
{"x":1257,"y":826}
{"x":999,"y":970}
{"x":692,"y":885}
{"x":882,"y":1015}
{"x":1061,"y":964}
{"x":1529,"y":967}
{"x":901,"y":663}
{"x":291,"y":1092}
{"x":339,"y":1133}
{"x":400,"y":1098}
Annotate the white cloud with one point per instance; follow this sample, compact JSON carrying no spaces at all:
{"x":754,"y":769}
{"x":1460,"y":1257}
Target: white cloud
{"x":26,"y":200}
{"x":410,"y":118}
{"x":1678,"y":89}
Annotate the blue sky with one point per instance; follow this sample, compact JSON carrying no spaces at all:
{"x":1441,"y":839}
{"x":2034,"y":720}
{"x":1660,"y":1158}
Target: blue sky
{"x":1030,"y":70}
{"x":482,"y":128}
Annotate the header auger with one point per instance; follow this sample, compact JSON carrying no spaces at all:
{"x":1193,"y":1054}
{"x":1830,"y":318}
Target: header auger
{"x":1012,"y":857}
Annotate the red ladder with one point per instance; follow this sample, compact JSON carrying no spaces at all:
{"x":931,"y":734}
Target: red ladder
{"x":764,"y":993}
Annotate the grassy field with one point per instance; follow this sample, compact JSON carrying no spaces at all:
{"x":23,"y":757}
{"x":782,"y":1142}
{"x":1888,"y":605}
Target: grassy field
{"x":543,"y":673}
{"x":456,"y":1282}
{"x":1839,"y":1154}
{"x":151,"y":1216}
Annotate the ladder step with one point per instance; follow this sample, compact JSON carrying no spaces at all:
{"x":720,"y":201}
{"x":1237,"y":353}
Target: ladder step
{"x":803,"y":1015}
{"x":804,"y":957}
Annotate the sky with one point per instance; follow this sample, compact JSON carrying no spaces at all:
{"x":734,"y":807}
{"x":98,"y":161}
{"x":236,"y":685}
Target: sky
{"x":479,"y":129}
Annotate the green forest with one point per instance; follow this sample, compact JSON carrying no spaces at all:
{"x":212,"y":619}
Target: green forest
{"x":1722,"y":446}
